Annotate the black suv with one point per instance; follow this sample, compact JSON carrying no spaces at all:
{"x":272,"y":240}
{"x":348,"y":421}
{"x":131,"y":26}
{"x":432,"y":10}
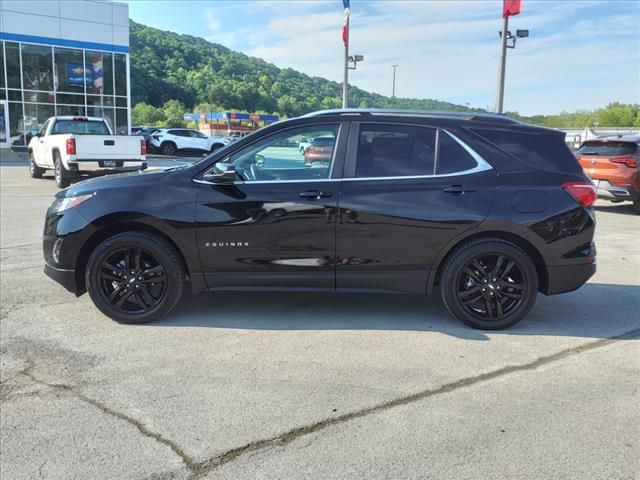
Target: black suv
{"x":490,"y":210}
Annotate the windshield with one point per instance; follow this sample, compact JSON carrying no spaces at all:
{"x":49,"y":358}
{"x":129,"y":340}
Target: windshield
{"x":607,"y":149}
{"x":81,"y":127}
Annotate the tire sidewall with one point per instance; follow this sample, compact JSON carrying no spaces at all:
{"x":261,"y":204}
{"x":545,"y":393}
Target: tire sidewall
{"x":150,"y":244}
{"x":460,"y":259}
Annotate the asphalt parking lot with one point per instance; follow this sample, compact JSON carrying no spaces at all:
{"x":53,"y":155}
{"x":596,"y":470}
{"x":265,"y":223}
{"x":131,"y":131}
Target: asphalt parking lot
{"x":315,"y":386}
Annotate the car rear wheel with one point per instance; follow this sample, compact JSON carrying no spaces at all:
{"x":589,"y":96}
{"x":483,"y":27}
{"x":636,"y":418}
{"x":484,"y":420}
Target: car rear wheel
{"x":168,"y":148}
{"x":34,"y":170}
{"x":215,"y":147}
{"x":135,"y":277}
{"x":61,"y":174}
{"x":636,"y":206}
{"x":489,"y":284}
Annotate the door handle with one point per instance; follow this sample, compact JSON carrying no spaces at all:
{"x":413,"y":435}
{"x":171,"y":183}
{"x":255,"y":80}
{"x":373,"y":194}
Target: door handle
{"x":459,"y":189}
{"x":314,"y":194}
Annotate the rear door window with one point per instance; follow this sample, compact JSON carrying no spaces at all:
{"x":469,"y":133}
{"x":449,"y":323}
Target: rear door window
{"x":405,"y":150}
{"x":607,"y":149}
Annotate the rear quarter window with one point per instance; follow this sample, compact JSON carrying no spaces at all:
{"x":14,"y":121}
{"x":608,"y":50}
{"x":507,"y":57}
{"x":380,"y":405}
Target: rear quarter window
{"x":607,"y":149}
{"x":541,"y":150}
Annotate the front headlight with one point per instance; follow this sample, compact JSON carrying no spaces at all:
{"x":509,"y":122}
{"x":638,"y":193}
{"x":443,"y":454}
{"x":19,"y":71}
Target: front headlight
{"x":65,"y":203}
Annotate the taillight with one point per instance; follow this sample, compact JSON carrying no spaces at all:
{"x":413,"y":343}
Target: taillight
{"x":71,"y":146}
{"x":631,"y":162}
{"x":143,"y":147}
{"x":583,"y":192}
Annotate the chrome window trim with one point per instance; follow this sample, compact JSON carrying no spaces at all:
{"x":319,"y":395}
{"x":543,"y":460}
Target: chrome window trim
{"x":481,"y":166}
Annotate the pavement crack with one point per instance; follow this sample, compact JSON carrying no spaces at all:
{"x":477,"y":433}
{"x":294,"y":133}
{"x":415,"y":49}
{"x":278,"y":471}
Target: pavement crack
{"x":73,"y":390}
{"x":202,"y":468}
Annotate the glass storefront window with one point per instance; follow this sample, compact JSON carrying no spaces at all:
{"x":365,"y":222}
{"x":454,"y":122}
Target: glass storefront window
{"x":69,"y":99}
{"x":122,"y":123}
{"x":73,"y":110}
{"x":120,"y":68}
{"x":35,"y":115}
{"x":121,"y":102}
{"x":106,"y":113}
{"x":99,"y":100}
{"x":70,"y":71}
{"x":100,"y":82}
{"x":2,"y":85}
{"x":15,"y":95}
{"x":38,"y":97}
{"x":37,"y":67}
{"x":12,"y":52}
{"x":16,"y":125}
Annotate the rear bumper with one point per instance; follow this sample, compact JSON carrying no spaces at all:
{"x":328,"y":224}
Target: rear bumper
{"x":99,"y":166}
{"x":622,"y":192}
{"x":66,"y":278}
{"x":568,"y":278}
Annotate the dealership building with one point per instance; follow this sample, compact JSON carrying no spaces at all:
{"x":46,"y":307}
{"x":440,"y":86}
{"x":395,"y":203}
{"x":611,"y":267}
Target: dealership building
{"x":62,"y":57}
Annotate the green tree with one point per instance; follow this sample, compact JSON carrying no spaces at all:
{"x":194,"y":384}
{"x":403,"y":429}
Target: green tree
{"x":174,"y":111}
{"x":145,"y":114}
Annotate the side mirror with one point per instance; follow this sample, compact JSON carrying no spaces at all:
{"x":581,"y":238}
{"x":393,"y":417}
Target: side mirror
{"x":221,"y":173}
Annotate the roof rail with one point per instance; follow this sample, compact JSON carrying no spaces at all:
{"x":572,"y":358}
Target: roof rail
{"x":478,"y":116}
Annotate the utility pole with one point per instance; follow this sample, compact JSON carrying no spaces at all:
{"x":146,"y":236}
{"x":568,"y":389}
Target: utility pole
{"x":393,"y":85}
{"x":503,"y":65}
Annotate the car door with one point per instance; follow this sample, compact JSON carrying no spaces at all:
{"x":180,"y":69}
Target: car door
{"x":274,"y":227}
{"x":408,"y":190}
{"x":199,"y":141}
{"x":39,"y":147}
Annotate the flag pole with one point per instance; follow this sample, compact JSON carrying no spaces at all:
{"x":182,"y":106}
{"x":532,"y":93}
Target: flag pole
{"x":503,"y":63}
{"x":345,"y":83}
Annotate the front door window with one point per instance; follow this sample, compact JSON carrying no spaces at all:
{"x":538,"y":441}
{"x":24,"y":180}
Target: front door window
{"x":279,"y":156}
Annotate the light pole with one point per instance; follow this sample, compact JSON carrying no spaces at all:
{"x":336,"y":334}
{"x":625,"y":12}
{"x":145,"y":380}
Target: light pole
{"x":393,"y":84}
{"x":505,"y":35}
{"x":351,"y":62}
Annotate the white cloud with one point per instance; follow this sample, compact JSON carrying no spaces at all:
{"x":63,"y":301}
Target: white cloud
{"x":448,"y":50}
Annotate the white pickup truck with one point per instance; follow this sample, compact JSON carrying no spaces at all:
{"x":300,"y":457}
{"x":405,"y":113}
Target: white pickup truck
{"x":71,"y":146}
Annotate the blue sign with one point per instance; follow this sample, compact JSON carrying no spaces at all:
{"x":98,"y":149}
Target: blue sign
{"x":77,"y":74}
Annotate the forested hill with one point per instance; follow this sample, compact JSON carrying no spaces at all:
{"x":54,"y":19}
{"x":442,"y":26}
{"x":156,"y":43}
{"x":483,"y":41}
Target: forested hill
{"x":166,"y":65}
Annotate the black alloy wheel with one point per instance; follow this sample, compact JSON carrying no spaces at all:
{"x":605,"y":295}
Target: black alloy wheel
{"x":135,"y":277}
{"x":132,"y":280}
{"x":489,"y":284}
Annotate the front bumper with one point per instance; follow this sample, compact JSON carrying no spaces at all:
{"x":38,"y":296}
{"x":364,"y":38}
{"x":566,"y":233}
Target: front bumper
{"x":66,"y":278}
{"x":567,"y":278}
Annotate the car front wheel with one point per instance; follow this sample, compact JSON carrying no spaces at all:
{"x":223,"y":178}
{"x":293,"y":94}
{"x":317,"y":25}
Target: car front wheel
{"x":60,"y":173}
{"x":489,"y":284}
{"x":135,"y":277}
{"x":34,"y":170}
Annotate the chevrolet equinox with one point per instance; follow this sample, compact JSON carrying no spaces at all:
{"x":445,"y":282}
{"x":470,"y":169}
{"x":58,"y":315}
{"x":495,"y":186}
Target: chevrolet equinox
{"x":484,"y":209}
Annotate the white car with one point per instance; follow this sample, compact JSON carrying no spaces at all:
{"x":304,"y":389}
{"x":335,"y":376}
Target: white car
{"x":72,"y":146}
{"x":171,"y":140}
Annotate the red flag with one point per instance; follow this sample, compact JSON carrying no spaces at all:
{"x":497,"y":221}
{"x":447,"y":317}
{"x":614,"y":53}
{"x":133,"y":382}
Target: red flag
{"x":510,"y":7}
{"x":345,"y":24}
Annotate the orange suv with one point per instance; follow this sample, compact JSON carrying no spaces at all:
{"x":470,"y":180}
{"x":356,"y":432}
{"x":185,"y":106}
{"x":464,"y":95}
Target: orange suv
{"x":612,"y":164}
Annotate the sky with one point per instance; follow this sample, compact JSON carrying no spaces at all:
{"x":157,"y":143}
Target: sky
{"x":581,"y":54}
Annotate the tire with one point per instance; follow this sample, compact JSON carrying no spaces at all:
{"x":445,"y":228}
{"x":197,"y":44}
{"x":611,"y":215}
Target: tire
{"x":61,"y":174}
{"x":168,"y":148}
{"x":478,"y":299}
{"x":636,"y":206}
{"x":215,"y":147}
{"x":135,"y":298}
{"x":34,"y":170}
